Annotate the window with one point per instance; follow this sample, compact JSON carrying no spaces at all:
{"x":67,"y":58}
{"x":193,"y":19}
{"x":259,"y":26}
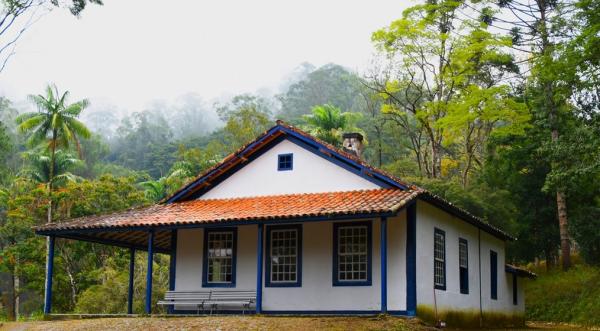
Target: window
{"x":494,"y":275}
{"x":284,"y":259}
{"x":352,"y":254}
{"x":463,"y":265}
{"x":219,"y":257}
{"x":285,"y":162}
{"x":515,"y":291}
{"x":439,"y":259}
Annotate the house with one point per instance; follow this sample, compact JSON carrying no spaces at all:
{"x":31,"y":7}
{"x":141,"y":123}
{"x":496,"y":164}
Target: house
{"x":307,"y":228}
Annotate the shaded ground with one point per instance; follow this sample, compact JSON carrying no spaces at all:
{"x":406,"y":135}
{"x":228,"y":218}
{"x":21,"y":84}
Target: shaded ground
{"x":244,"y":323}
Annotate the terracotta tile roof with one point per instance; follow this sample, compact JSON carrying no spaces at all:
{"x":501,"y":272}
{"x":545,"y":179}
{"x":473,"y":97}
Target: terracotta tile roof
{"x":277,"y":207}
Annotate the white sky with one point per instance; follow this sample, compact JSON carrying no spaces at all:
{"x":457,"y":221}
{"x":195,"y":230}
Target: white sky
{"x":130,"y":52}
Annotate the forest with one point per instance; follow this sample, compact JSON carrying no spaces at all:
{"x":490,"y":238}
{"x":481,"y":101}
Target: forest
{"x":493,"y":105}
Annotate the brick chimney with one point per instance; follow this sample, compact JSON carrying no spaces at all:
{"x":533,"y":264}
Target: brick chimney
{"x":353,"y":143}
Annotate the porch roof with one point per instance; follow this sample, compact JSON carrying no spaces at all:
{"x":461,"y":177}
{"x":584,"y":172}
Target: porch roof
{"x":249,"y":210}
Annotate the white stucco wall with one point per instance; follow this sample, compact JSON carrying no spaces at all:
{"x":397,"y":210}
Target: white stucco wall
{"x":430,"y":217}
{"x":317,"y":291}
{"x":310,"y":174}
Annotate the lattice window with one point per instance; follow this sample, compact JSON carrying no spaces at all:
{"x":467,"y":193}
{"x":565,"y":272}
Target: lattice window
{"x":352,"y":253}
{"x":439,"y":264}
{"x":285,"y":162}
{"x":284,"y":256}
{"x":220,"y":257}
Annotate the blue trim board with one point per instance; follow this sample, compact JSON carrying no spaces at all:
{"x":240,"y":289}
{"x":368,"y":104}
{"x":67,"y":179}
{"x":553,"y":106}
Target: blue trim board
{"x":383,"y":263}
{"x":259,"y":268}
{"x":411,"y":259}
{"x":49,"y":272}
{"x":443,"y":233}
{"x":205,"y":282}
{"x":298,"y":282}
{"x":300,"y":312}
{"x":335,"y":281}
{"x":149,"y":272}
{"x":131,"y":278}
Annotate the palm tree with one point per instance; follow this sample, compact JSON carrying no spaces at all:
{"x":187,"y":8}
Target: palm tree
{"x":38,"y":169}
{"x":155,"y":189}
{"x":56,"y":123}
{"x":328,"y":122}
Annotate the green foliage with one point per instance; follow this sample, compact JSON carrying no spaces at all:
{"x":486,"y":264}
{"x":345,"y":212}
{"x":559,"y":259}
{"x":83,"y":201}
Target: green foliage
{"x":330,"y":84}
{"x":246,"y":118}
{"x":38,"y":167}
{"x":56,"y":121}
{"x":328,"y":123}
{"x":572,"y":296}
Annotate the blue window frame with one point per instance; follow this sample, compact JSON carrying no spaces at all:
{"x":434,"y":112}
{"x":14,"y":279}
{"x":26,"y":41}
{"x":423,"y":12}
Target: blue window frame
{"x":219,"y":257}
{"x":284,"y":256}
{"x":285,"y":162}
{"x":352,"y":253}
{"x":439,"y":259}
{"x":463,"y":265}
{"x":494,"y":275}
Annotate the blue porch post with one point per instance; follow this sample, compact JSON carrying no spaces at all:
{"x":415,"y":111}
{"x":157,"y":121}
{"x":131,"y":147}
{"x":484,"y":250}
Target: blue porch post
{"x":49,"y":272}
{"x":131,"y":274}
{"x":172,"y":265}
{"x":383,"y":255}
{"x":259,"y":269}
{"x":149,"y":272}
{"x":411,"y":259}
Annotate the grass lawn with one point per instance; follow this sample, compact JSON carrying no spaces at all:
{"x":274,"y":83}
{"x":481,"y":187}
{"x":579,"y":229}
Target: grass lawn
{"x":243,"y":323}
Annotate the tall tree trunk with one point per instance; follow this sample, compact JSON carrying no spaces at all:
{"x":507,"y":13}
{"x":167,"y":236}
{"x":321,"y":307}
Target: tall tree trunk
{"x":17,"y":293}
{"x":561,"y":200}
{"x":565,"y":243}
{"x":49,"y":220}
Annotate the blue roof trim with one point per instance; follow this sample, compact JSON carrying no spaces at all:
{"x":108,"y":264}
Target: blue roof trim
{"x":359,"y":169}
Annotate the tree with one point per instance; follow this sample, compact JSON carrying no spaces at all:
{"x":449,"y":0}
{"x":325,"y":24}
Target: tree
{"x":246,"y":117}
{"x":329,"y":84}
{"x":55,"y":123}
{"x":39,"y":164}
{"x":442,"y":86}
{"x":328,"y":123}
{"x":540,"y":29}
{"x":16,"y":16}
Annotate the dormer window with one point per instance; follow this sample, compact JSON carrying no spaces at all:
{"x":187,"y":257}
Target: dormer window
{"x":285,"y":162}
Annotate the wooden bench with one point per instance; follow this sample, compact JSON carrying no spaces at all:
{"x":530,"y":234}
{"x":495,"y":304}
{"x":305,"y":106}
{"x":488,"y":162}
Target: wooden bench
{"x":212,"y":299}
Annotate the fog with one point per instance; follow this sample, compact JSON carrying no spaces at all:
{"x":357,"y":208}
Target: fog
{"x":128,"y":56}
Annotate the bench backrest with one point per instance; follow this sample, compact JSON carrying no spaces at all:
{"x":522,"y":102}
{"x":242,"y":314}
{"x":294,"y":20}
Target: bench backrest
{"x":233,"y":295}
{"x":187,"y":295}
